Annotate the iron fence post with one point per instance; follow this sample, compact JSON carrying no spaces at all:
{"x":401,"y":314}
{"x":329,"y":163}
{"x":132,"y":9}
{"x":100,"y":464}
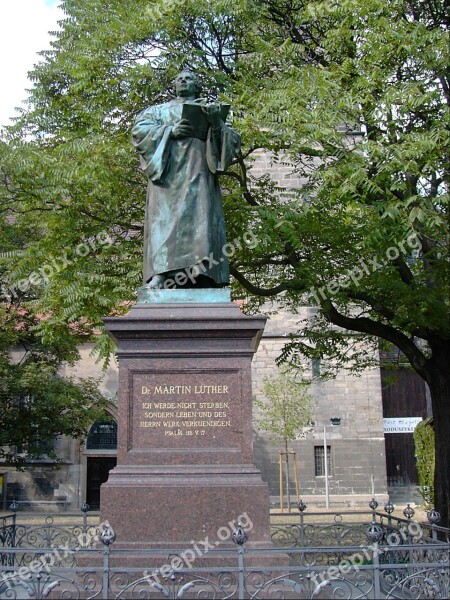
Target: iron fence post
{"x":84,"y":509}
{"x":105,"y":578}
{"x":302,"y":507}
{"x":13,"y":507}
{"x":433,"y":533}
{"x":241,"y":572}
{"x":84,"y":528}
{"x":375,"y":534}
{"x":373,"y":505}
{"x":389,"y":509}
{"x":239,"y":537}
{"x":409,"y":513}
{"x":107,"y":537}
{"x":376,"y":570}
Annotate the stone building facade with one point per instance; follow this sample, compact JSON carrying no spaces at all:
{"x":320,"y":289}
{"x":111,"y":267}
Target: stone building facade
{"x":357,"y":465}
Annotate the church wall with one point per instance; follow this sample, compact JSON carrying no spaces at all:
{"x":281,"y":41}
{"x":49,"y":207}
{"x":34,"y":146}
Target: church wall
{"x":46,"y":487}
{"x":358,"y":467}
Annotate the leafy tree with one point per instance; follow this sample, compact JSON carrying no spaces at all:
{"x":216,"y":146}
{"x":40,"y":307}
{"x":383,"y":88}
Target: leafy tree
{"x":353,"y":96}
{"x":36,"y":404}
{"x":285,"y":412}
{"x":367,"y":236}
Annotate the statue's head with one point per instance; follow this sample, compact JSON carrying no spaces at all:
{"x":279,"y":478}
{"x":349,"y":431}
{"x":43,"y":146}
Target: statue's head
{"x":187,"y":84}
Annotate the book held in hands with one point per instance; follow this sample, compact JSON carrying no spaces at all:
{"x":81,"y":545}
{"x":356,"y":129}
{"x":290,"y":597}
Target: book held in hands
{"x":196,"y":115}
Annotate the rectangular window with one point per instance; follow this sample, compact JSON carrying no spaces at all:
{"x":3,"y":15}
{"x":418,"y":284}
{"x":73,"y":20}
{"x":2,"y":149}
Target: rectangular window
{"x":319,"y":463}
{"x":315,"y":368}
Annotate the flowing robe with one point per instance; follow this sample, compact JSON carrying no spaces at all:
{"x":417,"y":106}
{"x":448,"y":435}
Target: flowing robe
{"x":184,"y":223}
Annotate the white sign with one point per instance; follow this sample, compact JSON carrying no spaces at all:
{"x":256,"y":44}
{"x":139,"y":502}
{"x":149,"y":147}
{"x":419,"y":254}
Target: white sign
{"x":401,"y":424}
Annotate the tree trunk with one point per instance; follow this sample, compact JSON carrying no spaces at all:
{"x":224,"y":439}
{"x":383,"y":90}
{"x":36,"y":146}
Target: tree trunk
{"x":439,"y":383}
{"x":287,"y":476}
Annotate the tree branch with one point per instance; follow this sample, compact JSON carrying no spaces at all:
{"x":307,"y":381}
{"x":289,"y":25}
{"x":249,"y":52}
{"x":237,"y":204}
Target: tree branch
{"x":380,"y":330}
{"x":266,"y":292}
{"x":375,"y":304}
{"x":404,"y":271}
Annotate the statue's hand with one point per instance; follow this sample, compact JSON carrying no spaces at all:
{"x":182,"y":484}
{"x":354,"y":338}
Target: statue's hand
{"x":213,"y":114}
{"x":182,"y":129}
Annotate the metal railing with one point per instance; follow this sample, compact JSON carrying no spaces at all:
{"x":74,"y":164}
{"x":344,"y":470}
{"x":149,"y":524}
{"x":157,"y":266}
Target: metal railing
{"x":348,"y":528}
{"x":395,"y":558}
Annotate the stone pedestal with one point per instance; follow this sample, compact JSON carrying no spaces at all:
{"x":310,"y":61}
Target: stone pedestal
{"x":185,"y":462}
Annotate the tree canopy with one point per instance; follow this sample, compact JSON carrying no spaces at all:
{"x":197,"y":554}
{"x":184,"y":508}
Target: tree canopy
{"x":287,"y":408}
{"x":36,"y":404}
{"x":353,"y":96}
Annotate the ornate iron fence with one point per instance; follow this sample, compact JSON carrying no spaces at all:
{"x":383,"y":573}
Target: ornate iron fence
{"x":396,"y":558}
{"x":49,"y":533}
{"x":349,"y":528}
{"x":247,"y":573}
{"x":7,"y":538}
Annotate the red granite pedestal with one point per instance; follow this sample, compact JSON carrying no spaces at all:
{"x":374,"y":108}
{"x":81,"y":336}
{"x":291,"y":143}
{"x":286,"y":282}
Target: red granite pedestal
{"x":185,"y":463}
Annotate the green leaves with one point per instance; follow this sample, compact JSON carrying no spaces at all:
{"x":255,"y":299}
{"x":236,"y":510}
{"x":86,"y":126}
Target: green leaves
{"x":287,"y":408}
{"x":37,"y":406}
{"x":342,"y":109}
{"x":424,"y":440}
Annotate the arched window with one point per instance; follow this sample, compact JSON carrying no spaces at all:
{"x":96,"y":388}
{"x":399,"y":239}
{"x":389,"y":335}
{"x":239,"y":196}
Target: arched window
{"x":102,"y":435}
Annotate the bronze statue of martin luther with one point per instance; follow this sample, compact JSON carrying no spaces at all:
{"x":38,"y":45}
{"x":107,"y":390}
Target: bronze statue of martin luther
{"x":184,"y":145}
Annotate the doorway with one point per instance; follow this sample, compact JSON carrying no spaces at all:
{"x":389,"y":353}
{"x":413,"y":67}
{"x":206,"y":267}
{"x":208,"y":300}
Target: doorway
{"x":101,"y":457}
{"x":98,"y":468}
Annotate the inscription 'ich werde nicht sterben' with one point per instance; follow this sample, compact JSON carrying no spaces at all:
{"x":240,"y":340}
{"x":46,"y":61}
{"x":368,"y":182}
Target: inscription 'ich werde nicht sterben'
{"x":185,"y":389}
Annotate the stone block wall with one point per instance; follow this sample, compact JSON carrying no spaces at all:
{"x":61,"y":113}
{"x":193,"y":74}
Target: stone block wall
{"x":358,"y":466}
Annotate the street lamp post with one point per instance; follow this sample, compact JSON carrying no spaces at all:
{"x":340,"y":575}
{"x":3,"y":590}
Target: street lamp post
{"x":327,"y":491}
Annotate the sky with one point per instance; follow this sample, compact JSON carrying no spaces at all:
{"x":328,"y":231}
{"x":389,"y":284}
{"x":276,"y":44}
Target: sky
{"x":24,"y":27}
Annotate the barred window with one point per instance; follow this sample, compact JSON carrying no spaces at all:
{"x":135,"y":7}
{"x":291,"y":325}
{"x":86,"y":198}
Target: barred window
{"x":319,"y":462}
